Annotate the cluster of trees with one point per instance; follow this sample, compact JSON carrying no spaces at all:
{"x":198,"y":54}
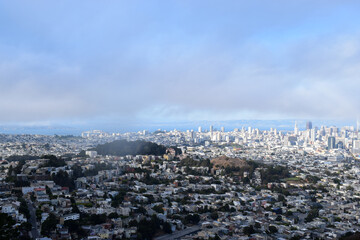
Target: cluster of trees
{"x":274,"y":174}
{"x":78,"y":172}
{"x":249,"y":167}
{"x":123,"y":147}
{"x":159,"y":208}
{"x":82,"y":153}
{"x":312,"y":179}
{"x":92,"y":219}
{"x":75,"y":227}
{"x":24,"y":208}
{"x":12,"y":172}
{"x":119,"y":198}
{"x":146,"y":229}
{"x":53,"y":161}
{"x":49,"y":224}
{"x":192,"y":219}
{"x":148,"y":180}
{"x":313,"y":213}
{"x":350,"y":236}
{"x":21,"y":158}
{"x":7,"y":230}
{"x":189,"y":162}
{"x":63,"y":179}
{"x":248,"y":230}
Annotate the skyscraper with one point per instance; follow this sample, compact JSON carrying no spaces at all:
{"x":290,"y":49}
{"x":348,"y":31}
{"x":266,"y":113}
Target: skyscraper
{"x":308,"y":125}
{"x":296,"y":129}
{"x":331,"y":143}
{"x":313,"y":135}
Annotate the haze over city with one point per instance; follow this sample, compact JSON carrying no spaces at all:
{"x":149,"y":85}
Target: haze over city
{"x":179,"y":120}
{"x":73,"y":63}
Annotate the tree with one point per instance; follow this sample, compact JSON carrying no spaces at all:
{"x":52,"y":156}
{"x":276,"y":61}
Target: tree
{"x":281,"y":198}
{"x":273,"y":229}
{"x":7,"y":230}
{"x":24,"y":208}
{"x":113,"y":215}
{"x":336,"y":180}
{"x":63,"y":179}
{"x":53,"y":161}
{"x":274,"y":174}
{"x":49,"y":224}
{"x":167,"y":227}
{"x":119,"y":198}
{"x":49,"y":192}
{"x":82,"y":153}
{"x":248,"y":230}
{"x":97,"y":219}
{"x":159,"y":208}
{"x":147,"y":229}
{"x":192,"y":218}
{"x":214,"y":215}
{"x":75,"y":227}
{"x":313,"y":213}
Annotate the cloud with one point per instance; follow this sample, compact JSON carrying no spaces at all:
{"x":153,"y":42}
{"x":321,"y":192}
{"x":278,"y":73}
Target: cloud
{"x":156,"y":60}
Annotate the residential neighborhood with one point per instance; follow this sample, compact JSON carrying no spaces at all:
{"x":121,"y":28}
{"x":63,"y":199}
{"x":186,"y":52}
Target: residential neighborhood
{"x":243,"y":184}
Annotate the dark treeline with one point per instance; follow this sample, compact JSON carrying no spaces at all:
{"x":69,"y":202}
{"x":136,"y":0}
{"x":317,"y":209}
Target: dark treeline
{"x":53,"y":161}
{"x":123,"y":147}
{"x":21,"y":157}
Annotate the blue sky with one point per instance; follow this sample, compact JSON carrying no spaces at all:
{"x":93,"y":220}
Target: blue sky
{"x":146,"y":61}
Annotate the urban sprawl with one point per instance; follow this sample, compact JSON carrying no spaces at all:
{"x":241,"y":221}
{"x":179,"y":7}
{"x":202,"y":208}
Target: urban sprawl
{"x":205,"y":184}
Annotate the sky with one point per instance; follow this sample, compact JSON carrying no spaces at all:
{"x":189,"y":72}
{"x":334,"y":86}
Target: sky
{"x":183,"y":60}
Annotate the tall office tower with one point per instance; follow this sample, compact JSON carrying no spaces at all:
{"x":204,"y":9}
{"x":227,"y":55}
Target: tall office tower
{"x":356,"y":147}
{"x":322,"y":131}
{"x":192,"y":135}
{"x":331,"y":143}
{"x":200,"y":129}
{"x":345,"y":133}
{"x":308,"y":125}
{"x":211,"y":128}
{"x":296,"y":129}
{"x":222,"y":129}
{"x":313,"y":135}
{"x":218,"y":137}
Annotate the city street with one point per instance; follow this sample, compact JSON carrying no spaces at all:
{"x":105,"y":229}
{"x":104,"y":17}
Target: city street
{"x":179,"y":234}
{"x":34,"y":231}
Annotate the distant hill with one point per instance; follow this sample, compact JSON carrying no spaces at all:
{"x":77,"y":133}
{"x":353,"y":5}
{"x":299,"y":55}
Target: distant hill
{"x":123,"y":147}
{"x":226,"y":162}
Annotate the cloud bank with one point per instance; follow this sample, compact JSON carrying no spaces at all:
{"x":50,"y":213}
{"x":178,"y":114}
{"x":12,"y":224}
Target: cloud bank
{"x":178,"y":60}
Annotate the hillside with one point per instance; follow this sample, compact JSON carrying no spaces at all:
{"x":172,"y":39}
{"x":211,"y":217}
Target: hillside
{"x":123,"y":147}
{"x":226,"y":162}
